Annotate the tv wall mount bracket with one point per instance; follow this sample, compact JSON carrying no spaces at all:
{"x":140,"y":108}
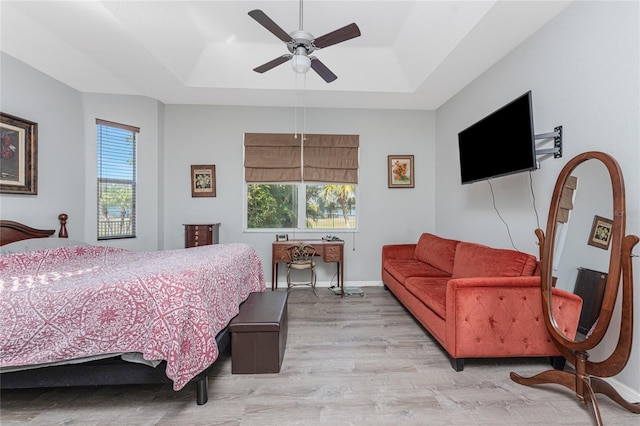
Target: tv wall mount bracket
{"x":557,"y":142}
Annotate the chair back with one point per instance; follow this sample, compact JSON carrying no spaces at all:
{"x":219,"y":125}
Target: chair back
{"x":301,"y":253}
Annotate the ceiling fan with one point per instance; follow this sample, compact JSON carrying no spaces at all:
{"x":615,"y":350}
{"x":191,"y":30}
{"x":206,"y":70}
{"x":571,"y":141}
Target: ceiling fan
{"x":301,"y":44}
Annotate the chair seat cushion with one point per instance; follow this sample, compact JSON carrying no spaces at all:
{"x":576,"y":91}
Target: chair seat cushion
{"x":402,"y":269}
{"x":431,"y":291}
{"x":302,"y":265}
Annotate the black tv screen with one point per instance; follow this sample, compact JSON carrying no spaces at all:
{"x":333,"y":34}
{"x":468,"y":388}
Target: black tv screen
{"x":500,"y":144}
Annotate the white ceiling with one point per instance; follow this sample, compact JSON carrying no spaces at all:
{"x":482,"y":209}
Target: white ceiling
{"x":411,"y":54}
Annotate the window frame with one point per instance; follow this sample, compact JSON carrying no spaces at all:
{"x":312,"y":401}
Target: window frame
{"x":301,"y":210}
{"x":132,"y":183}
{"x":286,"y":158}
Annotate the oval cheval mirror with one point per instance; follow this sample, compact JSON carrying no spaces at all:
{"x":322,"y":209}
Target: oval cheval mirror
{"x":585,"y":251}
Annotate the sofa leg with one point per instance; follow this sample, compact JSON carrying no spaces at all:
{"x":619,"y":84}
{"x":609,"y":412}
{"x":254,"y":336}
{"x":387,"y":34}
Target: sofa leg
{"x":457,"y":363}
{"x":385,"y":286}
{"x":558,"y":362}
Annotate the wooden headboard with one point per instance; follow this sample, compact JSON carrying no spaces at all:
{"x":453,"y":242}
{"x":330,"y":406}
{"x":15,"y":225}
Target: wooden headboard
{"x":11,"y":231}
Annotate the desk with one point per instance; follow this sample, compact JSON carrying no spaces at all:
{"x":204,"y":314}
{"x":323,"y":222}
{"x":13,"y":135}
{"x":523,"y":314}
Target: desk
{"x":329,"y":251}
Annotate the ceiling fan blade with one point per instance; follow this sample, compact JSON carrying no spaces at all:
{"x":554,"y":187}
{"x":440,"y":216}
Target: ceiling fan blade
{"x":266,"y":22}
{"x":273,"y":63}
{"x":322,"y":70}
{"x":345,"y":33}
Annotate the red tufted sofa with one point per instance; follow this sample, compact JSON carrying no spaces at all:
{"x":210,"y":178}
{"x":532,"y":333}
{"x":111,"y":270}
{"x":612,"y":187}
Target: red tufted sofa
{"x":477,"y":301}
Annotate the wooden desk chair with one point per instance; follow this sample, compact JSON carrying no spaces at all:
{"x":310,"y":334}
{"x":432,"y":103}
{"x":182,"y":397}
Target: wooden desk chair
{"x":300,"y":257}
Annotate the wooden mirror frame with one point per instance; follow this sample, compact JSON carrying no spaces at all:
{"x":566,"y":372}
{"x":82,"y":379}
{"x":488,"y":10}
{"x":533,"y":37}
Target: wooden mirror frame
{"x":586,"y":381}
{"x":568,"y":346}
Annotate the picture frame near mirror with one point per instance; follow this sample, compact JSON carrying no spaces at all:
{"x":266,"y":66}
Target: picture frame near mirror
{"x":203,"y":180}
{"x":401,"y":171}
{"x":282,"y":237}
{"x":18,"y":155}
{"x":600,"y":235}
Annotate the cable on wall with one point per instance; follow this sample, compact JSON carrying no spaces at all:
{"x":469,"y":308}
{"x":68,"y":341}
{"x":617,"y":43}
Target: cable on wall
{"x":493,"y":197}
{"x":533,"y":200}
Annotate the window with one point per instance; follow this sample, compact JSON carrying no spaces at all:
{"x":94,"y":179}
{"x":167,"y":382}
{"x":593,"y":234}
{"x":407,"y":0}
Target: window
{"x":280,"y":170}
{"x":116,"y":210}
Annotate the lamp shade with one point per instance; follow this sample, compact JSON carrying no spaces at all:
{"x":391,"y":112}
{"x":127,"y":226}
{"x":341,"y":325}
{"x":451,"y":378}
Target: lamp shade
{"x":300,"y":63}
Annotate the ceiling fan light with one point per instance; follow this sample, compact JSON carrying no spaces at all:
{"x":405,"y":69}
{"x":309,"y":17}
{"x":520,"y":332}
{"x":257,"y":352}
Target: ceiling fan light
{"x":300,"y":63}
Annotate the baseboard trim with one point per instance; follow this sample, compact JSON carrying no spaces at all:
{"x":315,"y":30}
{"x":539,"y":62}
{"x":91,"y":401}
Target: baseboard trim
{"x":328,"y":284}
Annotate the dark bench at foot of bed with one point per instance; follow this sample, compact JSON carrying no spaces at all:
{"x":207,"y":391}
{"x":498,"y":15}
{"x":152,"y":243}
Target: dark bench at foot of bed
{"x":110,"y":371}
{"x":259,"y":333}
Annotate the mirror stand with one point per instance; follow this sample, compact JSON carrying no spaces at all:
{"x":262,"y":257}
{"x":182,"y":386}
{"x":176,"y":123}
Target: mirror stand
{"x":583,"y":381}
{"x":587,"y":379}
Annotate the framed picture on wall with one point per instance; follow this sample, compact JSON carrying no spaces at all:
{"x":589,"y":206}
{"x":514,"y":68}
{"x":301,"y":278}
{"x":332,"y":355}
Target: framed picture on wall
{"x":600,"y":235}
{"x":18,"y":155}
{"x":203,"y":181}
{"x":400,"y":170}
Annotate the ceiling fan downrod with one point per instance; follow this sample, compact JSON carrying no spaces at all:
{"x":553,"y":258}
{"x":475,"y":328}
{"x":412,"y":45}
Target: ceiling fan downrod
{"x":300,"y":17}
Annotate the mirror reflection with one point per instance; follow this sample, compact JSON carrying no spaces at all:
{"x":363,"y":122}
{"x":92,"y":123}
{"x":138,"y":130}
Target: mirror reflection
{"x":581,"y":254}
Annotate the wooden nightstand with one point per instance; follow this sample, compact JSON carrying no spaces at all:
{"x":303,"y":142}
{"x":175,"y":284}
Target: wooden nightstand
{"x":200,"y":234}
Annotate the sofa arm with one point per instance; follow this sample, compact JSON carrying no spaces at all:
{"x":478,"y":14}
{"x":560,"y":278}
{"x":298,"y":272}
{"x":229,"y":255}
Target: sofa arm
{"x":398,"y":251}
{"x":502,"y":317}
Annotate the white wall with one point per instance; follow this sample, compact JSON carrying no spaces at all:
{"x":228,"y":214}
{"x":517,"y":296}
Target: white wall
{"x":584,"y":74}
{"x":29,"y":94}
{"x":67,"y":153}
{"x":174,"y":137}
{"x":135,"y":111}
{"x":214,"y":135}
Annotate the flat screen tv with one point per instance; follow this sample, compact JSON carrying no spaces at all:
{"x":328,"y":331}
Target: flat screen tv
{"x":500,"y":144}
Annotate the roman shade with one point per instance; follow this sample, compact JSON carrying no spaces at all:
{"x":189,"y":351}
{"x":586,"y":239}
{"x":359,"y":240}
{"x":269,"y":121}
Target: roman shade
{"x":272,"y":157}
{"x":566,"y":199}
{"x":331,"y":158}
{"x":282,"y":157}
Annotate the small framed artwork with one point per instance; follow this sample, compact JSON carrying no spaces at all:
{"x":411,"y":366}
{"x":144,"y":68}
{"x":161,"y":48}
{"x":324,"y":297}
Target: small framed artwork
{"x":282,"y":237}
{"x":18,"y":155}
{"x":600,"y":235}
{"x":400,"y":171}
{"x":203,"y":181}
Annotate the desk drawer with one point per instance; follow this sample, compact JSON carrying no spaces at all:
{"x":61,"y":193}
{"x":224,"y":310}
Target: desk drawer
{"x":280,"y":253}
{"x":332,"y":252}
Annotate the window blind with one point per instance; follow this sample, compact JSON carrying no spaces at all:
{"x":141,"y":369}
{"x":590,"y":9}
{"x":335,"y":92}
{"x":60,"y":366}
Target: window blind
{"x":116,"y":175}
{"x":271,"y":157}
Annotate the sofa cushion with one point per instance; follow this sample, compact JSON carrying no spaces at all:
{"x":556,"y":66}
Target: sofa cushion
{"x":402,"y":269}
{"x":436,"y":251}
{"x":476,"y":260}
{"x":431,"y":291}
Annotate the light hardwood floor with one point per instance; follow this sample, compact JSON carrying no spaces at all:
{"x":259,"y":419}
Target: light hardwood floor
{"x":352,"y":361}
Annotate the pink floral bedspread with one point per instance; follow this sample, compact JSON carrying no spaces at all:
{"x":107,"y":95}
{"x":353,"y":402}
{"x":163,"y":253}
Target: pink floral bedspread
{"x":72,"y":302}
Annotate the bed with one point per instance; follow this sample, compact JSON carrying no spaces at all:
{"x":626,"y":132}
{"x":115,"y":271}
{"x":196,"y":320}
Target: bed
{"x":73,"y":314}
